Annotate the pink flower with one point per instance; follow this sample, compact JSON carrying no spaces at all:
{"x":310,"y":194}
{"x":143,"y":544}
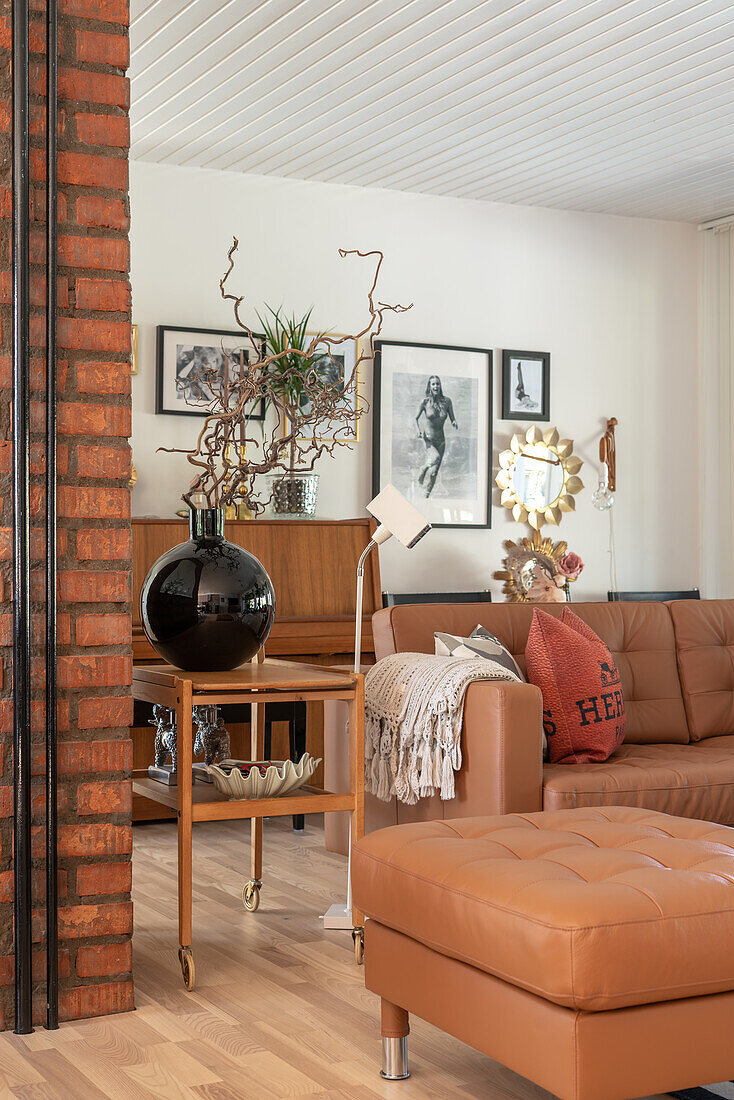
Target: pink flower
{"x":570,"y":565}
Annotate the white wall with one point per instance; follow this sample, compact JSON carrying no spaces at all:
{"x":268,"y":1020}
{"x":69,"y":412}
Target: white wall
{"x":612,"y":299}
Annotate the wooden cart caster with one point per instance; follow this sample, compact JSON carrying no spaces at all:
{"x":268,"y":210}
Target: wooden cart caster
{"x":186,"y":958}
{"x":358,"y":941}
{"x":251,"y":895}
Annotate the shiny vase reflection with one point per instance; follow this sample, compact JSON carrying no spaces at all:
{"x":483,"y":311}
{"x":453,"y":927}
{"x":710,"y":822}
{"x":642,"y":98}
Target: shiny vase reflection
{"x":207,"y":604}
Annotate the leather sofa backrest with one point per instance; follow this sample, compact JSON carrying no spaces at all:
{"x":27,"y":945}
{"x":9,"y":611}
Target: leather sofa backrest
{"x":640,"y":636}
{"x":705,"y":643}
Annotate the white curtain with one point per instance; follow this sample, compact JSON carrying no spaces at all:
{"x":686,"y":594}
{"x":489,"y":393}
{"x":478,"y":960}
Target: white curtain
{"x":716,"y":313}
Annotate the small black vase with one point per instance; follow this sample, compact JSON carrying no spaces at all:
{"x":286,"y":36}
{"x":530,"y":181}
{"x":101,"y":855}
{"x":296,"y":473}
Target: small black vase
{"x":207,"y":604}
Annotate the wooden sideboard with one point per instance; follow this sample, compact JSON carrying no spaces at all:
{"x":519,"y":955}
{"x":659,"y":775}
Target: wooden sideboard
{"x":312,"y":564}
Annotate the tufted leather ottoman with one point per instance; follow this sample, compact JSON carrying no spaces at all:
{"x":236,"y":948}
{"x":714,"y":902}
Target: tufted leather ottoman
{"x":590,"y":950}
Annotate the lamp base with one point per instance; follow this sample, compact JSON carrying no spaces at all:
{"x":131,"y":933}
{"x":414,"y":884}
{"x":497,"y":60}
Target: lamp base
{"x":338,"y":917}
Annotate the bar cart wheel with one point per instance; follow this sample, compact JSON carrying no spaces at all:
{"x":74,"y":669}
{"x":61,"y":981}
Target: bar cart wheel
{"x":251,"y":895}
{"x":186,"y":958}
{"x":358,"y":940}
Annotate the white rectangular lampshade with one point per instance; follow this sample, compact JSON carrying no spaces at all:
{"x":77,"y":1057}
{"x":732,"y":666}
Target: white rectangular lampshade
{"x":399,"y":516}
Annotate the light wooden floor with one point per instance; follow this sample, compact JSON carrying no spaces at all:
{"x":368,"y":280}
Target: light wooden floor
{"x":279,"y":1010}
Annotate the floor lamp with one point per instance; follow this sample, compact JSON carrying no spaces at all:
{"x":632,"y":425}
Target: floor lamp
{"x":396,"y":517}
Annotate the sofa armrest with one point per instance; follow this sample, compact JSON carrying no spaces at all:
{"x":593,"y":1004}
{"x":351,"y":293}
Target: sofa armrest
{"x":382,"y":633}
{"x":501,"y":744}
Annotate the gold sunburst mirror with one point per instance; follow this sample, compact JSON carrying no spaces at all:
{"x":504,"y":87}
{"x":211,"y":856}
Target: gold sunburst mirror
{"x":538,"y":477}
{"x":530,"y":569}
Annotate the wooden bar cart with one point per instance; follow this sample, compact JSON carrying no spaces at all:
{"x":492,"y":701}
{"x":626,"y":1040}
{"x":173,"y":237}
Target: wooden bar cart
{"x":267,"y":682}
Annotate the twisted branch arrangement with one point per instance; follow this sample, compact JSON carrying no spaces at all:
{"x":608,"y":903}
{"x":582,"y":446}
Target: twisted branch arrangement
{"x":303,"y":401}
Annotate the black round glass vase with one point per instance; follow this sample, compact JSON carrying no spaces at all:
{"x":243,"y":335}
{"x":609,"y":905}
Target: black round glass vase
{"x":207,"y":604}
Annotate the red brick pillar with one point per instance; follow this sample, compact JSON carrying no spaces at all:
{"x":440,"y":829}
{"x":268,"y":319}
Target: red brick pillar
{"x":95,"y":709}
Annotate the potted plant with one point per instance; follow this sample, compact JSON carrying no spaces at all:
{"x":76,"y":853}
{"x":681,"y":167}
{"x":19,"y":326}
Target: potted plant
{"x":294,"y":364}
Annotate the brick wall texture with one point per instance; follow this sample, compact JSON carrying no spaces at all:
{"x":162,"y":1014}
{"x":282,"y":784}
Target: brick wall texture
{"x":95,"y":666}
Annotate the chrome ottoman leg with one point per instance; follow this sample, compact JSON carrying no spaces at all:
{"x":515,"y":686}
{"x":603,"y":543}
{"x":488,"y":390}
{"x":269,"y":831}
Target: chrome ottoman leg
{"x":395,"y":1028}
{"x":395,"y":1059}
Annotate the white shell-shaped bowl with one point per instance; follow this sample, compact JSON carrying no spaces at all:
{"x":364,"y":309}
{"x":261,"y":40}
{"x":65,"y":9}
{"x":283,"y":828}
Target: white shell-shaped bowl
{"x":282,"y":777}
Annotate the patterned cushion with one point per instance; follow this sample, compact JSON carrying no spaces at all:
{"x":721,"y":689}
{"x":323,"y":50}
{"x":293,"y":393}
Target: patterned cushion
{"x":479,"y":644}
{"x":583,"y":704}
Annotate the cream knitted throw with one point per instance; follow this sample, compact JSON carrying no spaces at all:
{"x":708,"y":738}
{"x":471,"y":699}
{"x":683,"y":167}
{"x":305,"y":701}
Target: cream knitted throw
{"x":414,"y":708}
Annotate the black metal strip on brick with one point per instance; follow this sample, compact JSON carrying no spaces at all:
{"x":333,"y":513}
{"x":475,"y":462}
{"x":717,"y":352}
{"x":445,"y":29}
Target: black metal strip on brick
{"x":21,"y":527}
{"x":52,"y":901}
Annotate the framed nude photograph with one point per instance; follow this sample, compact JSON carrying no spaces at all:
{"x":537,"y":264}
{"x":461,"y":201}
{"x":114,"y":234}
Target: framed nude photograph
{"x":432,"y":435}
{"x":526,"y":385}
{"x":195,"y":365}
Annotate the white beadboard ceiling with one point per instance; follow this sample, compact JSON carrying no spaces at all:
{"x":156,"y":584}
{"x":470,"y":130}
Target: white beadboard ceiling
{"x":615,"y":106}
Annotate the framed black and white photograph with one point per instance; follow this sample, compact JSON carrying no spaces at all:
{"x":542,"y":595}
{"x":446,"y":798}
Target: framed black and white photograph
{"x":526,"y":385}
{"x":432,"y":429}
{"x":338,"y":363}
{"x":195,"y":365}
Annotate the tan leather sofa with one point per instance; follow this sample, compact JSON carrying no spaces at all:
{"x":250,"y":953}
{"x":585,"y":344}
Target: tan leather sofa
{"x":677,"y":666}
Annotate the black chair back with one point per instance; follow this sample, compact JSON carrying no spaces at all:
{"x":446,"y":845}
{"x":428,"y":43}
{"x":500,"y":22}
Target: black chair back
{"x":390,"y":599}
{"x":653,"y":597}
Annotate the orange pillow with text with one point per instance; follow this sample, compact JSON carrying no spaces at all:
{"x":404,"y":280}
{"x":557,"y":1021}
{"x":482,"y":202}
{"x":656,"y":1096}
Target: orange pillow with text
{"x":583,"y":706}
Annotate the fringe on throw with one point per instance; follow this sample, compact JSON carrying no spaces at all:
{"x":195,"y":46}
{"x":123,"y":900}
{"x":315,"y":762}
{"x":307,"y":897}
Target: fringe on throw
{"x":414,"y":709}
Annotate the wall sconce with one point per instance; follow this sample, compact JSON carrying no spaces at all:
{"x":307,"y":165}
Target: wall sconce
{"x":603,"y":496}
